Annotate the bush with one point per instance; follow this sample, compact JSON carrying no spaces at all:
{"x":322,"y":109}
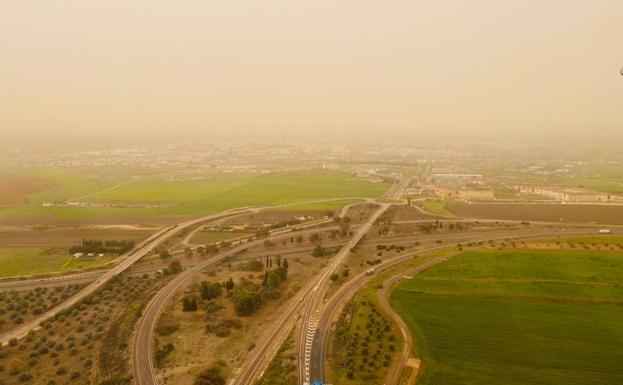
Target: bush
{"x":246,"y":299}
{"x":210,"y":376}
{"x":25,"y":377}
{"x":189,"y":304}
{"x":174,"y":267}
{"x":162,"y":353}
{"x":253,"y":265}
{"x":210,"y":290}
{"x":166,"y":327}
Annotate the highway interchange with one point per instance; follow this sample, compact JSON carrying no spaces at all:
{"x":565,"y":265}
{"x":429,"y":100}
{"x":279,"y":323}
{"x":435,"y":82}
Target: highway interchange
{"x":310,"y":311}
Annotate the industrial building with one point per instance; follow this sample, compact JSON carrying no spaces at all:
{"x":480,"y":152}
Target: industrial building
{"x":567,"y":194}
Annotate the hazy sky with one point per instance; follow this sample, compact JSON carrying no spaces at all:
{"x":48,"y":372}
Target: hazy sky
{"x":295,"y":65}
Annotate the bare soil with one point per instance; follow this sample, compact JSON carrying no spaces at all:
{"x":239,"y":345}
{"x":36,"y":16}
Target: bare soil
{"x":16,"y":189}
{"x":605,"y":214}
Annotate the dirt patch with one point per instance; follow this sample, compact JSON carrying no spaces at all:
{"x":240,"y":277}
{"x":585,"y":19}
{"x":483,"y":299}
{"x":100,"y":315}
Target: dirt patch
{"x":407,"y":213}
{"x":606,"y":214}
{"x":16,"y":189}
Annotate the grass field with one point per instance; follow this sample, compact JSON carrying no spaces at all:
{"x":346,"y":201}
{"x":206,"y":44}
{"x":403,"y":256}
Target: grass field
{"x":191,"y":198}
{"x":321,"y":206}
{"x":32,"y":261}
{"x":518,"y":317}
{"x":437,"y":207}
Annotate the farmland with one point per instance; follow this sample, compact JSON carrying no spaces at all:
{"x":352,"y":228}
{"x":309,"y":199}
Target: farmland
{"x":366,"y":342}
{"x":16,"y":189}
{"x":192,"y":197}
{"x":518,"y":317}
{"x":85,"y":345}
{"x":32,"y":261}
{"x":605,"y":214}
{"x":115,"y":198}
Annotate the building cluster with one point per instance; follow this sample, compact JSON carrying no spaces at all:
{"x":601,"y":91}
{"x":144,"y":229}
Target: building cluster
{"x":567,"y":194}
{"x":461,"y":186}
{"x":464,"y":193}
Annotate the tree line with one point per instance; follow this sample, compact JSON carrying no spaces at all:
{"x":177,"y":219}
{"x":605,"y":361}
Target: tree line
{"x":104,"y":247}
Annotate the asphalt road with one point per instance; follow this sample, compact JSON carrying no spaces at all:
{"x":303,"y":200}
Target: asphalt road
{"x":143,"y":249}
{"x":314,"y":303}
{"x":142,"y":363}
{"x":303,"y":300}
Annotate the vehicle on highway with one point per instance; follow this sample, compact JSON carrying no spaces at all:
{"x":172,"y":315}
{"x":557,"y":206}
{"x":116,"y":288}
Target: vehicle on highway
{"x":605,"y":231}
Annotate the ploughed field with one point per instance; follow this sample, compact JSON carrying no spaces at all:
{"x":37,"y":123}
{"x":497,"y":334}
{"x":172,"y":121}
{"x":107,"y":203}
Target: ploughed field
{"x":518,"y":317}
{"x":548,"y":212}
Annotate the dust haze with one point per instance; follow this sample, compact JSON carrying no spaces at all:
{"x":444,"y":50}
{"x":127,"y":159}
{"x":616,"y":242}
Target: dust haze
{"x":306,"y":69}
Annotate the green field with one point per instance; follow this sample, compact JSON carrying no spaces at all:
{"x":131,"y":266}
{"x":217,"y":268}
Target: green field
{"x":32,"y":261}
{"x":437,"y":207}
{"x":518,"y":317}
{"x":320,"y":206}
{"x":190,"y":198}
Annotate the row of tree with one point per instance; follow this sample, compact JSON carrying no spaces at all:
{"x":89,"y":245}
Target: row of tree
{"x":99,"y":246}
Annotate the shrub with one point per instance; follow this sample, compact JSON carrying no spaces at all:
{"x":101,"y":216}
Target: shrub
{"x":25,"y":377}
{"x":189,"y":304}
{"x":210,"y":376}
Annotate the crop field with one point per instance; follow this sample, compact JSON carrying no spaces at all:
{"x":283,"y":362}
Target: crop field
{"x":32,"y":261}
{"x":85,"y":345}
{"x":518,"y":317}
{"x":123,"y":198}
{"x":605,"y":214}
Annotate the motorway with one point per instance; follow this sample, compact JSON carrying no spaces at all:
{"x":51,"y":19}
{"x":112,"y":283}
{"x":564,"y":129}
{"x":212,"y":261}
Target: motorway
{"x":314,"y":303}
{"x":403,"y":239}
{"x":312,"y":307}
{"x":309,"y":301}
{"x":133,"y":256}
{"x":142,"y":363}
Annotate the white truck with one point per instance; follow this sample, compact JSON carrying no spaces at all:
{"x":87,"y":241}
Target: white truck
{"x":605,"y":231}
